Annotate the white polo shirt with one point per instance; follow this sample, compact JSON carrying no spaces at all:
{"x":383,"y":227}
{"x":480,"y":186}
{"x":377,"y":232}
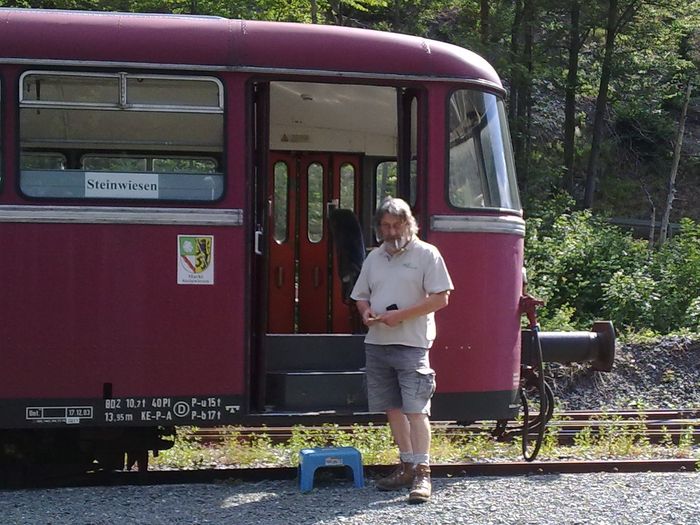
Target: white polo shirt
{"x":403,"y":279}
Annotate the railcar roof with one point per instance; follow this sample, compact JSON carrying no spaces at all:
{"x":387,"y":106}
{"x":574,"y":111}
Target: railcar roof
{"x":35,"y":34}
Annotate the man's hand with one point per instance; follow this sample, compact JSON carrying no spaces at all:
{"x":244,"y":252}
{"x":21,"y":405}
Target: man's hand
{"x":391,"y":317}
{"x":368,"y":317}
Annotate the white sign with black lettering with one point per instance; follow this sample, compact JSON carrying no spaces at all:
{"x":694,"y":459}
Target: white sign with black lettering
{"x":121,"y":185}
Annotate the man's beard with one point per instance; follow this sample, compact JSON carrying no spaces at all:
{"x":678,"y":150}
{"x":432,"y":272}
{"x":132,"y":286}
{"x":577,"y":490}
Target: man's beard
{"x":398,"y":244}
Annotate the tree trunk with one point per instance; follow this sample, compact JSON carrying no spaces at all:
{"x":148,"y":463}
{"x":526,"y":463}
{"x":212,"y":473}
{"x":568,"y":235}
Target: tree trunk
{"x":663,"y":232}
{"x":525,"y":114}
{"x":570,"y":102}
{"x":515,"y":32}
{"x":336,"y":12}
{"x":396,"y":16}
{"x":652,"y":219}
{"x":521,"y":89}
{"x":601,"y":104}
{"x":314,"y":12}
{"x":484,"y":16}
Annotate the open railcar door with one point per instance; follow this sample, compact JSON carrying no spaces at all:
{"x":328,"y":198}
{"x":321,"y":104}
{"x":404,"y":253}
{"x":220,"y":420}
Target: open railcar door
{"x":320,"y":145}
{"x":312,"y":359}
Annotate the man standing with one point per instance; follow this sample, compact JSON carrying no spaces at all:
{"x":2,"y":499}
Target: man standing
{"x":401,"y":285}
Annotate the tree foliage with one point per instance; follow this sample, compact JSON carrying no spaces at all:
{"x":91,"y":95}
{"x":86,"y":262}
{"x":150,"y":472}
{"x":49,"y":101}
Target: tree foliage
{"x":595,"y":90}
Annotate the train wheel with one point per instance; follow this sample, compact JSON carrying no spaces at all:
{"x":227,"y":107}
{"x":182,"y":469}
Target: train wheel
{"x":138,"y":458}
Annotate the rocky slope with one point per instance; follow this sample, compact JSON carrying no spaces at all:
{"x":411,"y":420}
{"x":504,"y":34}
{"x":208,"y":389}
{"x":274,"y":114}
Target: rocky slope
{"x":663,"y":374}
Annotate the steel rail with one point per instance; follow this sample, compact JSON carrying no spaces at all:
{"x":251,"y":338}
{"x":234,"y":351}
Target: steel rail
{"x":518,"y":468}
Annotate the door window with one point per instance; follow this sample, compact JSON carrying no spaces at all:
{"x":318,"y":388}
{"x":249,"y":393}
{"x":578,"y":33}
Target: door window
{"x":347,"y":186}
{"x":315,"y":202}
{"x":280,"y":202}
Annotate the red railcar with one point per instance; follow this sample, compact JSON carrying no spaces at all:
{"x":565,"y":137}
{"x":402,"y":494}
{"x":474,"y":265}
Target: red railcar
{"x":167,"y":257}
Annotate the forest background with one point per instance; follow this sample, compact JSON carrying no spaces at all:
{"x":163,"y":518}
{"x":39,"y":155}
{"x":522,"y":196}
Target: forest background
{"x":605,"y":121}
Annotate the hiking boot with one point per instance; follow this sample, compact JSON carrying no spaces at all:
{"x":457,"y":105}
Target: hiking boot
{"x":401,"y":478}
{"x":421,"y":488}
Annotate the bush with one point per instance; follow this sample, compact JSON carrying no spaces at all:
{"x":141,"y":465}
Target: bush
{"x":572,"y":258}
{"x":587,"y":269}
{"x":676,"y":269}
{"x":631,"y":300}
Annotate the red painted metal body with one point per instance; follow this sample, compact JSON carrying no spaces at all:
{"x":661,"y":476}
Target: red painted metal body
{"x":91,"y":304}
{"x":208,"y":41}
{"x":478,"y":334}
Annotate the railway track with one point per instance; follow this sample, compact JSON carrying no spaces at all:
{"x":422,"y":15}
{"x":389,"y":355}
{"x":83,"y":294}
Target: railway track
{"x":656,"y":425}
{"x":452,"y":470}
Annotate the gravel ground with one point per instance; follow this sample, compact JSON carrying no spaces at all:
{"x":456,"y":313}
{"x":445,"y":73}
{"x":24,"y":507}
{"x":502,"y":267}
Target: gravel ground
{"x":547,"y":499}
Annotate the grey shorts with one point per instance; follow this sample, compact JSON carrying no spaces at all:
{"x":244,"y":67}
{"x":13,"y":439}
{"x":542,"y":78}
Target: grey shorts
{"x":399,"y":377}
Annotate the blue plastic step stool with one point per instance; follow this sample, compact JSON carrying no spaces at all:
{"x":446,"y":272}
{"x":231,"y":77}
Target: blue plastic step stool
{"x":312,"y":458}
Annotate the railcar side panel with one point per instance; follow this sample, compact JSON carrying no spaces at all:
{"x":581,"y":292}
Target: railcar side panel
{"x":101,"y":305}
{"x":478,"y":343}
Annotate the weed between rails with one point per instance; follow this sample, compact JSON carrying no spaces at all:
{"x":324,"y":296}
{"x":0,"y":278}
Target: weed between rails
{"x":614,"y":440}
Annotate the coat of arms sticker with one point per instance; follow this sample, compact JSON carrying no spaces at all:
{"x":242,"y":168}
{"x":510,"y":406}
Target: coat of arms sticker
{"x":195,"y":255}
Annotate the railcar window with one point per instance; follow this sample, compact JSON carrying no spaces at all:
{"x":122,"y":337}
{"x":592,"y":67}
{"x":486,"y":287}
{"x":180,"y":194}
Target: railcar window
{"x":43,"y":161}
{"x":386,"y":180}
{"x":347,"y":186}
{"x":149,"y":92}
{"x":125,"y":136}
{"x":314,"y":195}
{"x":184,"y":165}
{"x":95,"y":90}
{"x":148,"y":163}
{"x":93,"y":163}
{"x":481,"y":168}
{"x":414,"y":150}
{"x":280,"y":204}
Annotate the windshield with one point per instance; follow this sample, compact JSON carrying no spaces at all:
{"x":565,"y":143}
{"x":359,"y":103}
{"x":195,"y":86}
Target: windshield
{"x":481,"y":168}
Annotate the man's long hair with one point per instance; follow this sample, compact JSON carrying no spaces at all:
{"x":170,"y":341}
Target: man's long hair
{"x":397,"y":208}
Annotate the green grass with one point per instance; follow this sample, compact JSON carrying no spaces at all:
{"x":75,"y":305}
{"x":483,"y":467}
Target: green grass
{"x":614,"y":441}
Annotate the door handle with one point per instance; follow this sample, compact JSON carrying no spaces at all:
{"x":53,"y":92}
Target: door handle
{"x":258,"y":237}
{"x":280,"y":276}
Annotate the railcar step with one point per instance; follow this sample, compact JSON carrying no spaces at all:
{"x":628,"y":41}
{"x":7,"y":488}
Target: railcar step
{"x":325,"y":352}
{"x":315,"y":391}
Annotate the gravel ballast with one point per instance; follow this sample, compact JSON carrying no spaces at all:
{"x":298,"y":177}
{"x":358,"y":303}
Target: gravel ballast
{"x":660,"y":374}
{"x":565,"y":499}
